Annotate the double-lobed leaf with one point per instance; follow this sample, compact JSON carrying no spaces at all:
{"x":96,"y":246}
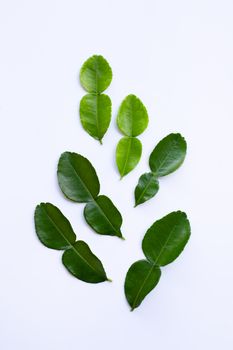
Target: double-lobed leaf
{"x":162,"y":244}
{"x":167,"y":156}
{"x":55,"y":231}
{"x":79,"y":182}
{"x":132,"y":118}
{"x":95,"y":74}
{"x":95,"y":114}
{"x":128,"y":154}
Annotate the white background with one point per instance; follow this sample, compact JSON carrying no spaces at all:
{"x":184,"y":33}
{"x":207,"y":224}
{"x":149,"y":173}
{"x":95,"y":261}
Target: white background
{"x":177,"y":56}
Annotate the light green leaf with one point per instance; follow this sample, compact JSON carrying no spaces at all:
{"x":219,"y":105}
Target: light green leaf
{"x":132,"y":118}
{"x":141,"y":278}
{"x":95,"y":74}
{"x":146,"y":188}
{"x":77,"y":178}
{"x":83,"y":264}
{"x":128,"y":154}
{"x":166,"y":238}
{"x":103,"y":217}
{"x":95,"y":114}
{"x":168,"y":155}
{"x":52,"y":227}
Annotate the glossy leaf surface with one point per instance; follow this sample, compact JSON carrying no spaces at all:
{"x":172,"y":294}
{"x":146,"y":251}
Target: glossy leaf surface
{"x":95,"y":114}
{"x":52,"y":227}
{"x":141,"y":278}
{"x":146,"y":188}
{"x":77,"y":178}
{"x":132,"y":118}
{"x":168,"y":155}
{"x":103,"y":216}
{"x":95,"y":74}
{"x":166,"y":238}
{"x":83,"y":264}
{"x":128,"y":154}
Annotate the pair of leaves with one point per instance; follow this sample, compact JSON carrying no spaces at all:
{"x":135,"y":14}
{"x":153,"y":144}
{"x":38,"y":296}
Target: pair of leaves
{"x":162,"y":244}
{"x":132,"y":120}
{"x":78,"y":181}
{"x":167,"y":156}
{"x":55,"y":231}
{"x":95,"y":108}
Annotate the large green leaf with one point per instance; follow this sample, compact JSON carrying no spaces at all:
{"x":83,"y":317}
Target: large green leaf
{"x":83,"y":264}
{"x":141,"y":278}
{"x":103,"y":216}
{"x":166,"y":238}
{"x":146,"y":188}
{"x":77,"y":178}
{"x":128,"y":154}
{"x":95,"y":74}
{"x":52,"y":227}
{"x":168,"y":155}
{"x":95,"y":114}
{"x":132,"y":118}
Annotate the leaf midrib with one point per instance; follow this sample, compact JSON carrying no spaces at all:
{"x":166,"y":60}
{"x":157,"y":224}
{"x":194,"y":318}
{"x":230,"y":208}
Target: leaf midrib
{"x":161,"y":163}
{"x":127,"y":155}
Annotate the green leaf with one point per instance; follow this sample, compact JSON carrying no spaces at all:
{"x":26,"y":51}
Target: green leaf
{"x":95,"y":114}
{"x":146,"y":188}
{"x":83,"y":264}
{"x":52,"y":227}
{"x":128,"y":154}
{"x":77,"y":178}
{"x":168,"y":155}
{"x":141,"y":278}
{"x":132,"y":118}
{"x":103,"y":216}
{"x":95,"y":74}
{"x":166,"y":238}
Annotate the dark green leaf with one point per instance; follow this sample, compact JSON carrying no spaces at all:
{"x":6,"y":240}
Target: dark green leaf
{"x":168,"y":155}
{"x":95,"y":114}
{"x":77,"y":178}
{"x":147,"y":188}
{"x":103,"y":216}
{"x":52,"y":227}
{"x":83,"y":264}
{"x":128,"y":154}
{"x":132,"y":118}
{"x":166,"y":238}
{"x":95,"y":74}
{"x":141,"y":278}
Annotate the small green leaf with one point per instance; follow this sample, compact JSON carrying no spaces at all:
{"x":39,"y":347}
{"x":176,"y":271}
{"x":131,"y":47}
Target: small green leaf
{"x":132,"y":118}
{"x":128,"y":154}
{"x":95,"y":114}
{"x":52,"y":227}
{"x":146,"y":188}
{"x":166,"y":238}
{"x":103,"y":216}
{"x":77,"y":178}
{"x":95,"y":74}
{"x":141,"y":278}
{"x":83,"y":264}
{"x":168,"y":155}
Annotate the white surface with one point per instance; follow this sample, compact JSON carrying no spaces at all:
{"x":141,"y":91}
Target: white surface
{"x":177,"y":57}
